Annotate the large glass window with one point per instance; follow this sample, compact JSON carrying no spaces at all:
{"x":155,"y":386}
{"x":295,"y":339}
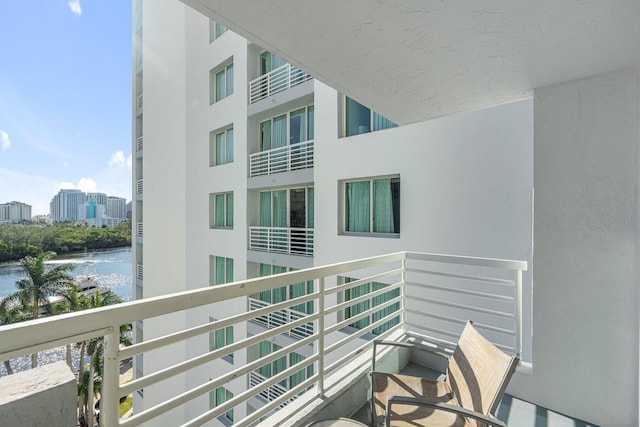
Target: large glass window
{"x":221,"y":147}
{"x":287,"y":129}
{"x":360,"y":119}
{"x":269,"y":62}
{"x":221,"y":83}
{"x":282,"y":363}
{"x":363,"y":306}
{"x":221,"y":338}
{"x":221,"y":210}
{"x":221,"y":270}
{"x":372,"y":206}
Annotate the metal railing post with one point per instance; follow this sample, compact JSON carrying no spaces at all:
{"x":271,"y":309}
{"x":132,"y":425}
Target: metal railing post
{"x":109,"y":402}
{"x":405,"y":320}
{"x":321,"y":305}
{"x":518,"y":313}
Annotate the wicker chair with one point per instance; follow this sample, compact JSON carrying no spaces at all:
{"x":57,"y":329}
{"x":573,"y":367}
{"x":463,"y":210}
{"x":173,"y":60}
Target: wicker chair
{"x":477,"y":376}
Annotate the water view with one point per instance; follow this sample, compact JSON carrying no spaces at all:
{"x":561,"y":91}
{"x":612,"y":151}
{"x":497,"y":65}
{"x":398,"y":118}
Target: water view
{"x":111,"y":267}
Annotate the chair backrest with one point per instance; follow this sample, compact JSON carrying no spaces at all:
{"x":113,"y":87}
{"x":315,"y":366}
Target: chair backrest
{"x":479,"y":372}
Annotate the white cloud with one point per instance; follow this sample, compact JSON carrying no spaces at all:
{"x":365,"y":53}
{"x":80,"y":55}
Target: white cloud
{"x":87,"y":185}
{"x":4,"y":140}
{"x":64,"y":185}
{"x":74,"y":5}
{"x":118,"y":160}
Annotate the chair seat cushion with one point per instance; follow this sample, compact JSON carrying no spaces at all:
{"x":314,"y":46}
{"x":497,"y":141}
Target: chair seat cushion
{"x":387,"y":385}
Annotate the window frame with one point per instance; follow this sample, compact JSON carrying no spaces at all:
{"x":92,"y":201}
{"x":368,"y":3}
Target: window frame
{"x":226,"y":332}
{"x":309,"y":218}
{"x":216,"y":94}
{"x":370,"y":304}
{"x":228,"y":210}
{"x":213,"y":270}
{"x":309,"y":118}
{"x":227,"y":149}
{"x":214,"y":401}
{"x":372,"y":121}
{"x":344,"y":205}
{"x":214,"y":27}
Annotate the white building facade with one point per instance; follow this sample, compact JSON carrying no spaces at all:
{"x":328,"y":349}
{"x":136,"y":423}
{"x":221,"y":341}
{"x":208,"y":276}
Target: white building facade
{"x":15,"y":212}
{"x":251,"y":167}
{"x":64,"y":205}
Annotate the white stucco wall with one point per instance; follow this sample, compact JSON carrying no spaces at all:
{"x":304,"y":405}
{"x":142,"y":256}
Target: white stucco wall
{"x":585,"y":265}
{"x":465,"y":185}
{"x":164,"y":167}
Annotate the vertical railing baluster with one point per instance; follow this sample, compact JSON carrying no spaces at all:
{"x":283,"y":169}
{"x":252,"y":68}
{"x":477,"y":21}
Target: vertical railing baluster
{"x":109,"y":402}
{"x":321,"y":318}
{"x":405,"y":320}
{"x":518,"y":312}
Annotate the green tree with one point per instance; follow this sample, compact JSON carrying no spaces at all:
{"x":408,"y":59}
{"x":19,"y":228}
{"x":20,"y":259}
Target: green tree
{"x":38,"y":285}
{"x":11,"y":315}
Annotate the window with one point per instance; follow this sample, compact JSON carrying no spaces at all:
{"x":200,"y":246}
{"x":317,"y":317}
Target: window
{"x":221,"y":210}
{"x":215,"y":30}
{"x":363,"y":306}
{"x":287,"y":129}
{"x":372,"y":206}
{"x":221,"y":83}
{"x":218,"y":397}
{"x":221,"y":270}
{"x":360,"y":119}
{"x":221,"y":147}
{"x":221,"y":338}
{"x":287,"y":208}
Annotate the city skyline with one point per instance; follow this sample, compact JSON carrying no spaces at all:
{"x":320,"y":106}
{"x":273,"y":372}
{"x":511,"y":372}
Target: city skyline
{"x":65,"y":100}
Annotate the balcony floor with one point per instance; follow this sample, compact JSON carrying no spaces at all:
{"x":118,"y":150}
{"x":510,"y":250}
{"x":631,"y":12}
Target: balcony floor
{"x":513,"y":411}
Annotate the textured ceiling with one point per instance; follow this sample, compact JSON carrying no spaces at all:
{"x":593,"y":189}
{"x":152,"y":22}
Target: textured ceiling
{"x":414,"y":60}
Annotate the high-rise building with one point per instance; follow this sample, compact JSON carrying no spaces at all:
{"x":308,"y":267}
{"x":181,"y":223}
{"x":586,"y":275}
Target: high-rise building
{"x":269,"y":170}
{"x":116,"y":207}
{"x":98,"y":198}
{"x":64,"y":205}
{"x":15,"y":212}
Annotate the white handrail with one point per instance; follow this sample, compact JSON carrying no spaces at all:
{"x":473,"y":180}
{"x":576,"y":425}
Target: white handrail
{"x":282,"y":159}
{"x":278,"y":80}
{"x":453,"y":289}
{"x":286,"y":240}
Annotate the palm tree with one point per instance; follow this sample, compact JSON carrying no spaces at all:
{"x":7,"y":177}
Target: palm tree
{"x":94,"y":350}
{"x":11,"y":315}
{"x":74,"y":301}
{"x":38,"y":285}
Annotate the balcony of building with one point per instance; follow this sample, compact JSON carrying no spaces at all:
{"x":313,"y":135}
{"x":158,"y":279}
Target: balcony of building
{"x":283,"y":240}
{"x":289,"y":158}
{"x":407,"y":296}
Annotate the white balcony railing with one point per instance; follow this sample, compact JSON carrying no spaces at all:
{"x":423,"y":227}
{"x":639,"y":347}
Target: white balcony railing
{"x":282,"y":78}
{"x":139,"y":144}
{"x":139,"y":229}
{"x":139,"y":271}
{"x":282,"y":159}
{"x":284,"y":240}
{"x":139,"y":186}
{"x":433,"y":296}
{"x":281,"y":317}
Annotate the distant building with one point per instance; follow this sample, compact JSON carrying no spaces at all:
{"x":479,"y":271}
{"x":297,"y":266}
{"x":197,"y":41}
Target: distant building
{"x":64,"y":205}
{"x":99,"y":198}
{"x":15,"y":212}
{"x":117,"y":208}
{"x":91,"y":210}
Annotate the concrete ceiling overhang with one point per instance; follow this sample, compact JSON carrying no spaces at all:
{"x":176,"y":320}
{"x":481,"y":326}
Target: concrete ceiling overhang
{"x":417,"y":59}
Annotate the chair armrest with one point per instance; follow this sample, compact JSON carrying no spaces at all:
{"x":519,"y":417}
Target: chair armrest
{"x":440,"y":406}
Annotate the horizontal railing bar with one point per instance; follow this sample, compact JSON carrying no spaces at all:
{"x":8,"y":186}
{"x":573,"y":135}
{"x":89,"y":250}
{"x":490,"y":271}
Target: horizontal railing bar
{"x":496,"y":297}
{"x":483,"y":279}
{"x":178,"y":368}
{"x":284,"y":149}
{"x":292,"y":393}
{"x":213,"y":384}
{"x":346,"y":304}
{"x":456,"y":336}
{"x":464,"y":307}
{"x":360,"y":316}
{"x":230,"y":404}
{"x":218,"y":324}
{"x":58,"y":342}
{"x":471,"y":261}
{"x":368,"y":279}
{"x":463,"y":322}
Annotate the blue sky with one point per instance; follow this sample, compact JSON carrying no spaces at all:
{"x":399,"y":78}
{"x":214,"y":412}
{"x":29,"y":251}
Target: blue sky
{"x":65,"y":99}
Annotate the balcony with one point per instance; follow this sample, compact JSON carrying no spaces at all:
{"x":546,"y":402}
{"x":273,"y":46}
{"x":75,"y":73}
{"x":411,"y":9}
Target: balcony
{"x":139,"y":187}
{"x":278,"y":80}
{"x":139,"y":229}
{"x":282,"y":159}
{"x":283,"y":240}
{"x":139,"y":143}
{"x":139,"y":104}
{"x":433,"y":296}
{"x":281,"y":317}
